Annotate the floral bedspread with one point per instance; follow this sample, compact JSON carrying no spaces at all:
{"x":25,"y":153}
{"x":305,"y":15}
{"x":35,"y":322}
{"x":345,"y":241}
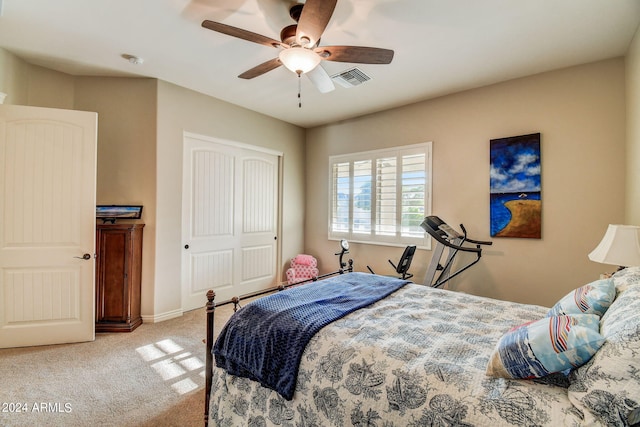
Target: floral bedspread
{"x":416,"y":358}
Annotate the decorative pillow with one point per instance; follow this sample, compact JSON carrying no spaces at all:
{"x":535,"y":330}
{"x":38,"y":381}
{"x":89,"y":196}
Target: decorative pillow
{"x":626,"y":277}
{"x":606,"y":390}
{"x":552,"y":344}
{"x":593,"y":298}
{"x":303,"y":259}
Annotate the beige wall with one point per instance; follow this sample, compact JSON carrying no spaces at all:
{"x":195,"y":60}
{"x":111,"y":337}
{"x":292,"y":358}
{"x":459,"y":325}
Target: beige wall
{"x":126,"y":155}
{"x":632,"y":215}
{"x":13,"y":78}
{"x":27,"y":84}
{"x":580,"y":113}
{"x":43,"y":92}
{"x":182,"y":110}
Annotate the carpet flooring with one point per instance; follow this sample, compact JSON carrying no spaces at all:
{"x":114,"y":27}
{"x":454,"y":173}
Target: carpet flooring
{"x":153,"y":376}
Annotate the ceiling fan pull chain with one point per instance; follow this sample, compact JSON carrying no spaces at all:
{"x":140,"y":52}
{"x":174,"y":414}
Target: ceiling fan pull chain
{"x":299,"y":91}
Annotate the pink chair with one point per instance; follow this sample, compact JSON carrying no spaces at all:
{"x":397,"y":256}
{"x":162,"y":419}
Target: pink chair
{"x":302,"y":267}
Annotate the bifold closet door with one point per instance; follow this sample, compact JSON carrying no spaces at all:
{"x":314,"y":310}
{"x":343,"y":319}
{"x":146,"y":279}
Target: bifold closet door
{"x":230,"y":216}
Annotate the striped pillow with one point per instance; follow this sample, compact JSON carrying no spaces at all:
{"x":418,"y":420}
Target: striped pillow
{"x":594,"y":298}
{"x":552,"y":344}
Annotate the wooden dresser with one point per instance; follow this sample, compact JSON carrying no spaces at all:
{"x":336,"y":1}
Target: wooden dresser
{"x":118,"y":277}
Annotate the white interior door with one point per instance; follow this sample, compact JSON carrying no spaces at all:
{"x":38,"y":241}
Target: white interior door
{"x":230,"y":217}
{"x":47,"y":225}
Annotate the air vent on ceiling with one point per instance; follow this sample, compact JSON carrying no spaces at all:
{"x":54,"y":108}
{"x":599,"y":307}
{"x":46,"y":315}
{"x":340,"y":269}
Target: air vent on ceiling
{"x":350,"y":78}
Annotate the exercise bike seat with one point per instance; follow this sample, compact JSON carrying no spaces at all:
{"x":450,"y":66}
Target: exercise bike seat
{"x":405,"y":262}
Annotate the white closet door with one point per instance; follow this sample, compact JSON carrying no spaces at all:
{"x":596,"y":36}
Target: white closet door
{"x":230,"y":215}
{"x":47,"y":225}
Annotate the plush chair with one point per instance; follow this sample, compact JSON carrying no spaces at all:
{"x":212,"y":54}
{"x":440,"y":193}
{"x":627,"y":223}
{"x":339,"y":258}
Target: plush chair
{"x":302,"y":267}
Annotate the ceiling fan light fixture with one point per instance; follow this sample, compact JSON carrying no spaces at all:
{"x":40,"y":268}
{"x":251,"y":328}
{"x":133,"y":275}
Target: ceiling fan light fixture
{"x":299,"y":60}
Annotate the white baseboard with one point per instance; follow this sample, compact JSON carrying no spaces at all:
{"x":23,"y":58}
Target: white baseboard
{"x":162,"y":316}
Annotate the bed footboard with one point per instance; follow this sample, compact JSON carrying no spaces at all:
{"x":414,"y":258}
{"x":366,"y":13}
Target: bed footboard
{"x":210,"y":310}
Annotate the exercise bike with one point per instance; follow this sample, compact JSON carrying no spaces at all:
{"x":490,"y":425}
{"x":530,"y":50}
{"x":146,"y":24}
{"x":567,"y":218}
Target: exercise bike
{"x":403,"y":264}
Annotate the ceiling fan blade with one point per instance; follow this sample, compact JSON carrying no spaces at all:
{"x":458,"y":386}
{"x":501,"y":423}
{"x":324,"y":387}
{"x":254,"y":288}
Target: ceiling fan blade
{"x":356,"y":54}
{"x":313,"y":20}
{"x":240,"y":33}
{"x":321,"y":79}
{"x":259,"y":70}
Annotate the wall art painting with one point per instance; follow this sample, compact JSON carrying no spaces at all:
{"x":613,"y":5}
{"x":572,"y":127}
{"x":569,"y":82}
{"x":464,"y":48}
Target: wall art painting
{"x":516,"y":205}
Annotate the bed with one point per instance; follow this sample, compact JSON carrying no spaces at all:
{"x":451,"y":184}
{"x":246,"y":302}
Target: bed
{"x":422,"y":356}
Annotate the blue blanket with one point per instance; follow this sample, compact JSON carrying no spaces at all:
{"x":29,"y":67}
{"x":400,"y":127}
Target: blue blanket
{"x":265,"y":339}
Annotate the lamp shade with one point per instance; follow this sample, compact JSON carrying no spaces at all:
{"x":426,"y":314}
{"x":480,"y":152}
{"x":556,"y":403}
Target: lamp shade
{"x":619,"y":246}
{"x":299,"y":60}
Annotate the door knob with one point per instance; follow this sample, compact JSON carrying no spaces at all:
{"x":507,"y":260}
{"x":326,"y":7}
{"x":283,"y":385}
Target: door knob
{"x":85,"y":256}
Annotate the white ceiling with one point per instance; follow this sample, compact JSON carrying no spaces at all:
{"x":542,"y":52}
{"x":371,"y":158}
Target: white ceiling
{"x":441,"y":46}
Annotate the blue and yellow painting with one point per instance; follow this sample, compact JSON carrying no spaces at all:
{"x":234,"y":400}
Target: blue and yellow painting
{"x":516,"y":205}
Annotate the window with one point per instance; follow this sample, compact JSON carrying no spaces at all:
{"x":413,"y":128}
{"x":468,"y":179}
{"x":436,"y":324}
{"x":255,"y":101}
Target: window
{"x":381,"y":196}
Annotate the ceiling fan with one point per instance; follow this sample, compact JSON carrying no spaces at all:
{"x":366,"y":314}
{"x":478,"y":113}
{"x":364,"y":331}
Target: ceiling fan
{"x":301,"y":52}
